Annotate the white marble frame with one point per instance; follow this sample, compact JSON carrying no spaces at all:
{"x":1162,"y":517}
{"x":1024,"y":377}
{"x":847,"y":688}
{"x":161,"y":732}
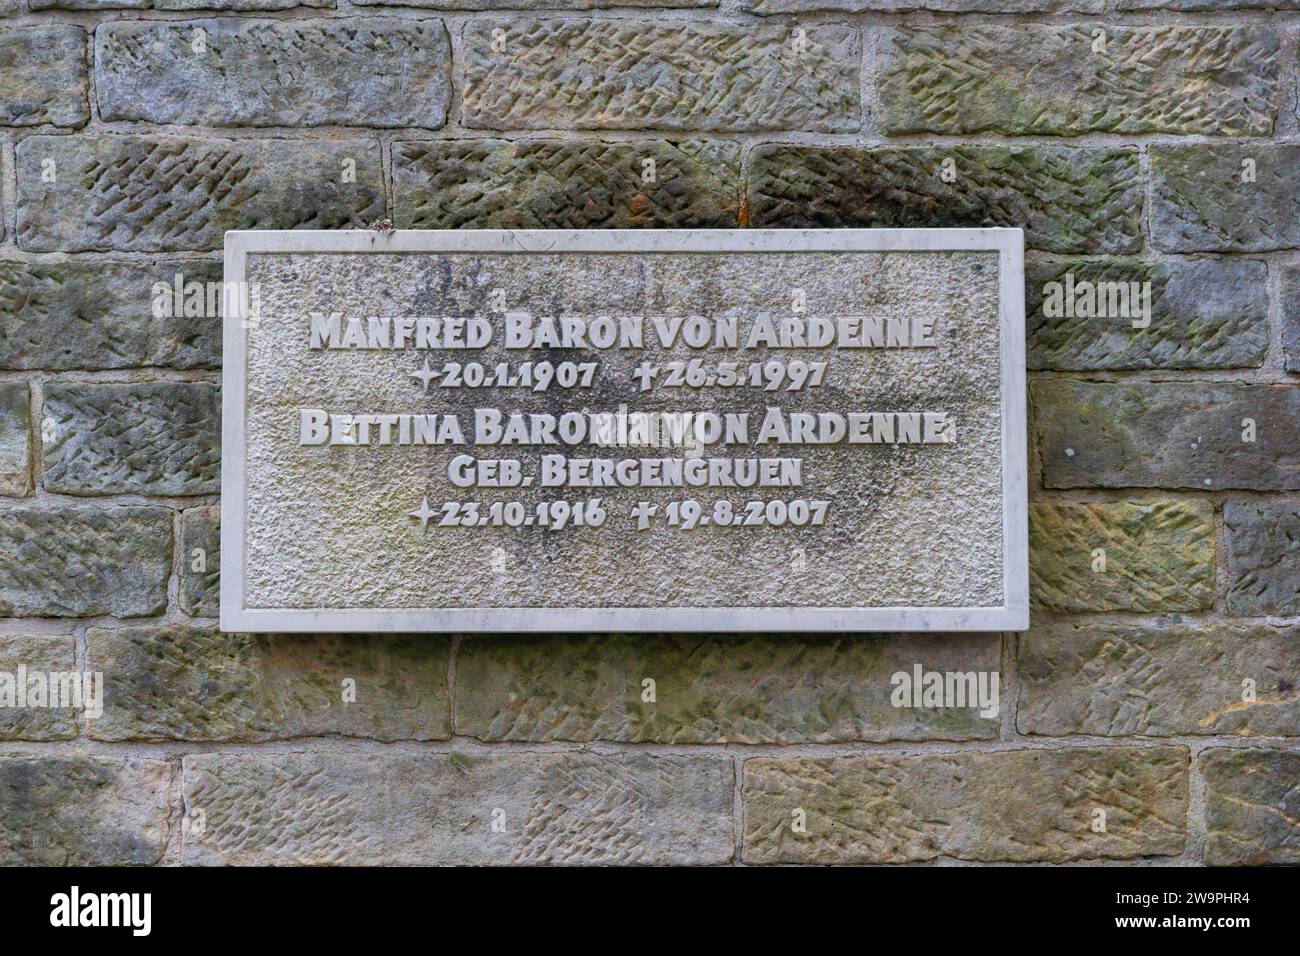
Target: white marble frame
{"x":1012,"y":616}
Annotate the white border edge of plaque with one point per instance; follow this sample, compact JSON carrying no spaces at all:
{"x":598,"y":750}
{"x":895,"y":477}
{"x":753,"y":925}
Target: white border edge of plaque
{"x":1012,"y":616}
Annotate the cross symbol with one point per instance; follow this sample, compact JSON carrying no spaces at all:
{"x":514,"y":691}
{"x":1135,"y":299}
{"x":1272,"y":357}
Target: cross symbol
{"x":424,"y":512}
{"x":643,"y":512}
{"x":646,"y":372}
{"x":425,"y":375}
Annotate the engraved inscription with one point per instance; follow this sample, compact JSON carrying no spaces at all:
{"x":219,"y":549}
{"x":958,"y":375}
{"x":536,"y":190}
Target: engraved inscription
{"x":465,"y":430}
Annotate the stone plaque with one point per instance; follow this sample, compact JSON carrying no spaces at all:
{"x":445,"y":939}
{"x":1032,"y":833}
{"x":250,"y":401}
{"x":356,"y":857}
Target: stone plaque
{"x":721,"y":430}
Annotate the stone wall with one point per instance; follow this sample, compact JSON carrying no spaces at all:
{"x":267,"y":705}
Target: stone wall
{"x":1145,"y":140}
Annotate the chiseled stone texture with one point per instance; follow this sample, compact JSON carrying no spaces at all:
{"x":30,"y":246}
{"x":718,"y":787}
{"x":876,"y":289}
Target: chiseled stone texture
{"x":81,"y":562}
{"x":351,"y":71}
{"x":772,"y":7}
{"x":1121,"y":679}
{"x":784,"y":690}
{"x":1167,"y":435}
{"x":1022,"y":79}
{"x":77,"y":810}
{"x":168,"y":193}
{"x":1208,"y":6}
{"x":1159,"y":555}
{"x":153,"y":438}
{"x":200,"y":566}
{"x":557,"y":184}
{"x":182,"y":683}
{"x":231,"y":5}
{"x":15,"y":439}
{"x":43,"y":76}
{"x":577,"y":73}
{"x":1205,"y":313}
{"x":1200,"y":202}
{"x":1018,"y":806}
{"x":1263,"y":556}
{"x":256,"y":731}
{"x":1066,"y":199}
{"x":1252,"y":801}
{"x":538,"y":5}
{"x":47,"y":653}
{"x":80,"y":314}
{"x":1290,"y":289}
{"x":426,"y":808}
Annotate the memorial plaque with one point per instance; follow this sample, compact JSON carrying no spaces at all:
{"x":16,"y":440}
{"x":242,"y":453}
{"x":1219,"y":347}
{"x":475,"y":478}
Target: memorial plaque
{"x":732,"y":430}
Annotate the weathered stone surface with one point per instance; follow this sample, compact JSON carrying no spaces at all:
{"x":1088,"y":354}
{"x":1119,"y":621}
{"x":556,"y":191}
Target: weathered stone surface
{"x":553,"y":184}
{"x":1210,"y":6}
{"x":534,"y":4}
{"x":43,"y":76}
{"x":353,"y":71}
{"x":395,"y":809}
{"x":79,"y":562}
{"x":1291,"y":317}
{"x":1066,"y":200}
{"x":1200,"y":201}
{"x":1167,"y":435}
{"x":1263,"y":544}
{"x":1118,"y":679}
{"x":770,"y":7}
{"x":154,"y":438}
{"x":44,"y":653}
{"x":63,"y":810}
{"x":200,"y":574}
{"x":15,"y":439}
{"x":232,"y":5}
{"x":1158,"y":555}
{"x":577,"y":73}
{"x":168,"y":193}
{"x":1252,"y":801}
{"x":883,"y":552}
{"x":1019,"y":805}
{"x":267,"y":687}
{"x":1205,"y":313}
{"x":782,"y":690}
{"x":81,"y":314}
{"x":1053,"y":80}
